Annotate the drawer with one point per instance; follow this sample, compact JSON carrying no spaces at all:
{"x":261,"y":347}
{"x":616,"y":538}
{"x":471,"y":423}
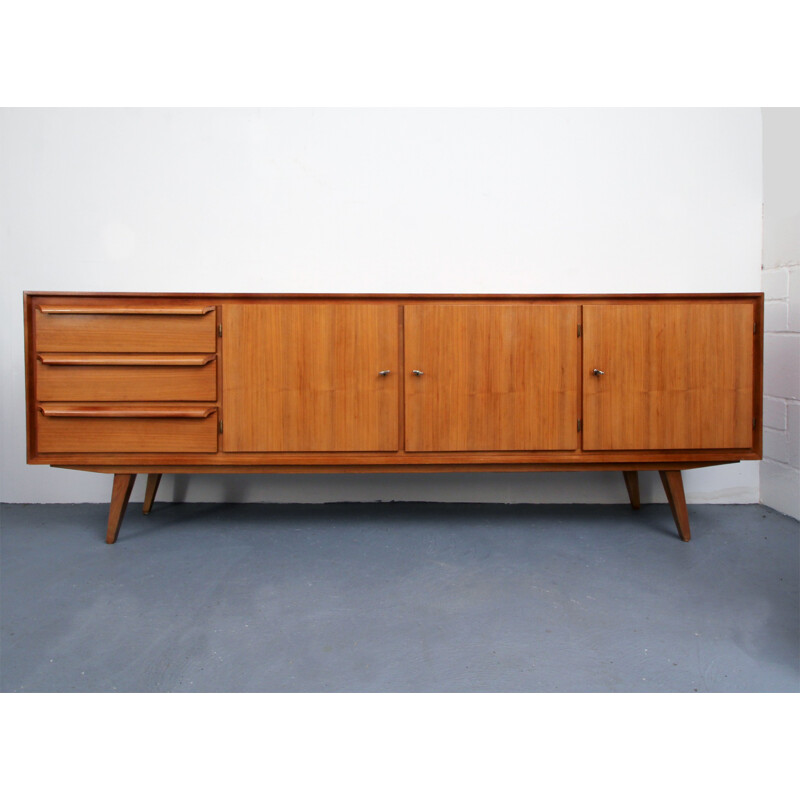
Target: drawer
{"x":124,"y":377}
{"x":135,"y":329}
{"x":126,"y":429}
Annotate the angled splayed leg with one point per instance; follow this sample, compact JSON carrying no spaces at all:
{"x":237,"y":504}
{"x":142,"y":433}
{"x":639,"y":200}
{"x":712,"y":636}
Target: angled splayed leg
{"x":120,"y":494}
{"x":153,"y":479}
{"x":632,"y":485}
{"x":673,"y":486}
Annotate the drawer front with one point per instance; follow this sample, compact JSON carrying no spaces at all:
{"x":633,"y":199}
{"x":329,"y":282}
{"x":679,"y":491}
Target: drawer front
{"x":68,"y":430}
{"x":72,"y":329}
{"x":126,"y":378}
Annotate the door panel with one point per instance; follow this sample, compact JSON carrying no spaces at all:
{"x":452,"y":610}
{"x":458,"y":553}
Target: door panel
{"x":676,"y":376}
{"x":304,"y":377}
{"x":496,"y":377}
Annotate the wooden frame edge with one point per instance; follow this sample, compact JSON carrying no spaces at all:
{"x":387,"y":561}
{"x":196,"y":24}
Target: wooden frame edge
{"x":390,"y":468}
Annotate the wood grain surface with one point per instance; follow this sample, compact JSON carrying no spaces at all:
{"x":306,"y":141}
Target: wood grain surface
{"x":632,"y":485}
{"x":134,"y":332}
{"x":126,"y":359}
{"x":676,"y":376}
{"x":94,"y":464}
{"x":673,"y":487}
{"x":113,"y":434}
{"x":119,"y":411}
{"x":328,"y":447}
{"x":151,"y":309}
{"x":495,"y":377}
{"x":306,"y":377}
{"x":153,"y":480}
{"x":120,"y":494}
{"x":392,"y":383}
{"x":107,"y":382}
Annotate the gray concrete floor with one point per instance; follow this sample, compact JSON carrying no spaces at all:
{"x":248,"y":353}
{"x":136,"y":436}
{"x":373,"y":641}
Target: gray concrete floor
{"x":398,"y":597}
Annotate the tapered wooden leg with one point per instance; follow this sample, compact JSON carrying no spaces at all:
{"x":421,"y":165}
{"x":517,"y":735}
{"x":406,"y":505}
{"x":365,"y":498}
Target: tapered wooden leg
{"x":673,"y":486}
{"x":153,"y":479}
{"x":632,"y":484}
{"x":120,"y":494}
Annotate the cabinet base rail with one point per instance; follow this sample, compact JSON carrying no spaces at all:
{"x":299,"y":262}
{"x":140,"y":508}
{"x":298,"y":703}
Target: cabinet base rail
{"x":670,"y":478}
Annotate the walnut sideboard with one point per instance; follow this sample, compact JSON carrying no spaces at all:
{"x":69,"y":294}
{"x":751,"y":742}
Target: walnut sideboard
{"x":185,"y":383}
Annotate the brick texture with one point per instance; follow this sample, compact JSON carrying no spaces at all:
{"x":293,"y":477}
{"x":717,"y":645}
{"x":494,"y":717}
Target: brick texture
{"x":780,"y":469}
{"x":780,"y":282}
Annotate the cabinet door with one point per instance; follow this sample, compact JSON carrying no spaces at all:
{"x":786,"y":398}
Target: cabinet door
{"x":305,"y":377}
{"x":675,"y":376}
{"x":495,"y":377}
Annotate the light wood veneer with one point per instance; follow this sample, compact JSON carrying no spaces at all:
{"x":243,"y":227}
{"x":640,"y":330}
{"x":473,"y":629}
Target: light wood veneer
{"x":307,"y":377}
{"x":500,"y":377}
{"x":677,"y":376}
{"x":155,"y":383}
{"x":152,"y":377}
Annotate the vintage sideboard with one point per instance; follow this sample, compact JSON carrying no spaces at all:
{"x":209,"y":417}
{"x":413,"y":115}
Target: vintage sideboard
{"x":150,"y":384}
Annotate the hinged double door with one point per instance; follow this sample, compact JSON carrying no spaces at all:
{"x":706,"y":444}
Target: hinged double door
{"x":332,"y":377}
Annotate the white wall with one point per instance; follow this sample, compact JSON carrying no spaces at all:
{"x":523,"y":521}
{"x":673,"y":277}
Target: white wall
{"x":533,"y":201}
{"x":780,"y":469}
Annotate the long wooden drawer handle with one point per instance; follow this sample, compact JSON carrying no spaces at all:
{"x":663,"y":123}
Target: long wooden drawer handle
{"x":125,"y":360}
{"x":184,"y":311}
{"x":159,"y":412}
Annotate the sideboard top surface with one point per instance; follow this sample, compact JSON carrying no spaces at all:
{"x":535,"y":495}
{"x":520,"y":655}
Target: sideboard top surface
{"x":404,"y":296}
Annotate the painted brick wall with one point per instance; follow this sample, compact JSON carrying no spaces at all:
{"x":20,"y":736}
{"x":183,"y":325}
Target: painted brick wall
{"x":780,"y":469}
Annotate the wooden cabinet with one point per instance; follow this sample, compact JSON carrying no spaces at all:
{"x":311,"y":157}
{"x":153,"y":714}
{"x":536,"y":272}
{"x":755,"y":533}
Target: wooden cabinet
{"x":130,"y":384}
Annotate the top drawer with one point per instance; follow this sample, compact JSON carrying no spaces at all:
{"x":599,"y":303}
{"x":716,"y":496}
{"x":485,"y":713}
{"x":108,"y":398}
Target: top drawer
{"x":156,"y":328}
